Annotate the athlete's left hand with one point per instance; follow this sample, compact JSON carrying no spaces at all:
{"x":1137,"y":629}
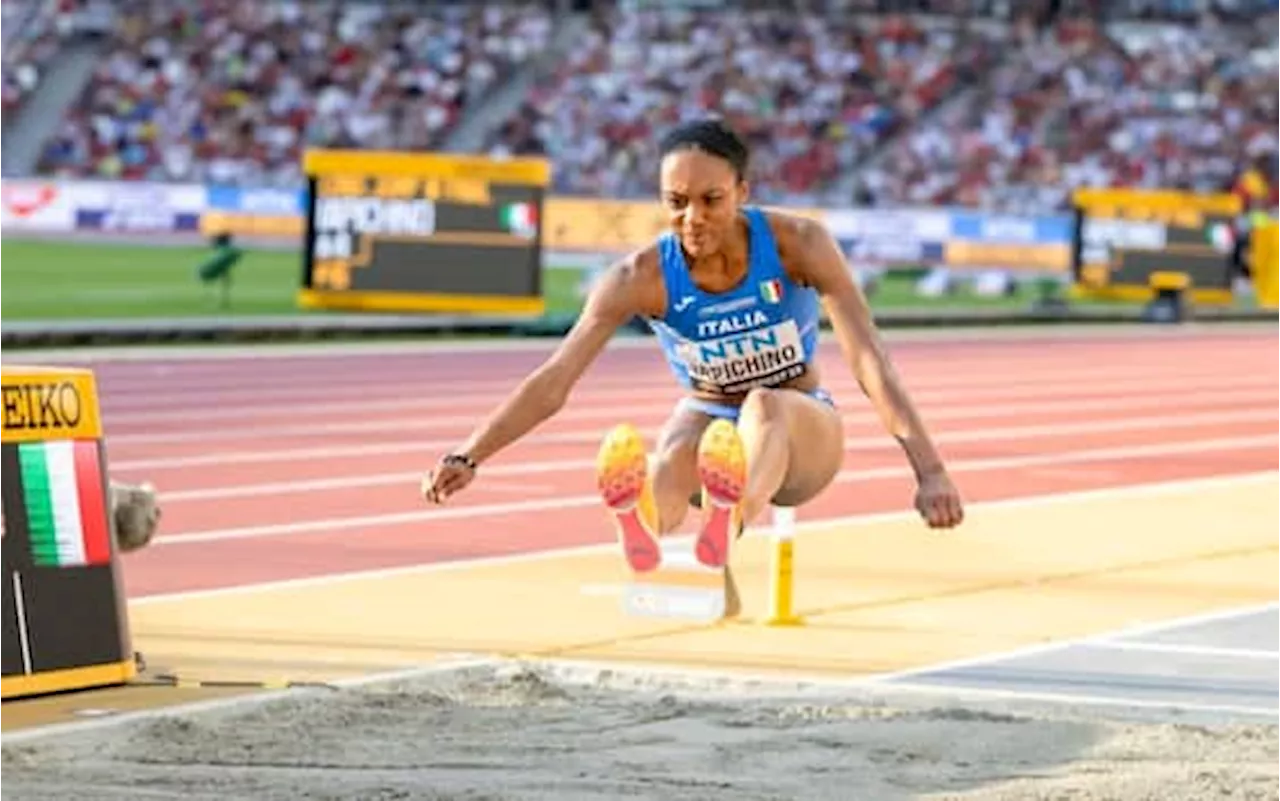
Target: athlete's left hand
{"x":452,"y":474}
{"x":938,"y":500}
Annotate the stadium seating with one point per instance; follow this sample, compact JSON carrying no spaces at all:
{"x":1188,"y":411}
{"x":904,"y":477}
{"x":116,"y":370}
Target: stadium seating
{"x":813,"y":93}
{"x":1002,"y":111}
{"x":1126,"y":105}
{"x":231,"y":90}
{"x":33,"y":32}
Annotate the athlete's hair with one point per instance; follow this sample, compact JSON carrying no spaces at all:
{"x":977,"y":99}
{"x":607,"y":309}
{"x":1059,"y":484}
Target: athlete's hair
{"x":711,"y":136}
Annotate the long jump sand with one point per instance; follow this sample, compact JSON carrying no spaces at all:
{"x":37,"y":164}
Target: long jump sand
{"x":517,"y":733}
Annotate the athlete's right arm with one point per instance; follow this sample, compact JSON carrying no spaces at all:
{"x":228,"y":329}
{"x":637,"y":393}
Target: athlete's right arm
{"x":622,"y":292}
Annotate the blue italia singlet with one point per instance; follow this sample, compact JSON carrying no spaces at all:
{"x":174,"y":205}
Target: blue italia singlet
{"x":761,"y":333}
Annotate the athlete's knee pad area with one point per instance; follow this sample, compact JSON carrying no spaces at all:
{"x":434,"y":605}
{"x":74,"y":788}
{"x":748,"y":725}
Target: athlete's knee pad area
{"x":677,"y":451}
{"x":762,"y":404}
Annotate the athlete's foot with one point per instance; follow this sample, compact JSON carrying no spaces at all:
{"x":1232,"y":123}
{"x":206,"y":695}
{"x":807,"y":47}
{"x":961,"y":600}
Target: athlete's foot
{"x":622,"y":479}
{"x":722,"y":468}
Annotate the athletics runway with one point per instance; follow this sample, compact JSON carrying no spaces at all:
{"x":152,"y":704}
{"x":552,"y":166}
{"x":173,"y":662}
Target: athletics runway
{"x":1103,"y":626}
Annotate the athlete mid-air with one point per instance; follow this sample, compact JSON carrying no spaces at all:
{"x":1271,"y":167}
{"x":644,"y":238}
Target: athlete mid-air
{"x":732,"y":293}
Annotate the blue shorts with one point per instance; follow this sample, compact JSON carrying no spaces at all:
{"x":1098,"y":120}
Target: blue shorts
{"x":728,"y":412}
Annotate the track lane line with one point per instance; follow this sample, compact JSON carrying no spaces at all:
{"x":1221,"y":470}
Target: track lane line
{"x":994,"y":385}
{"x":862,"y":444}
{"x":566,"y":429}
{"x":1228,"y":444}
{"x":540,"y":554}
{"x":607,"y":382}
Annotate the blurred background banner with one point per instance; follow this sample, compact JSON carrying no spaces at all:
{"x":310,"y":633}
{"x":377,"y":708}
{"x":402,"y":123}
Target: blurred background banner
{"x":916,"y":236}
{"x":953,"y":238}
{"x":254,"y":211}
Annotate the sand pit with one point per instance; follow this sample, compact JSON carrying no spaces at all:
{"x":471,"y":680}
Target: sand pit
{"x":525,"y":732}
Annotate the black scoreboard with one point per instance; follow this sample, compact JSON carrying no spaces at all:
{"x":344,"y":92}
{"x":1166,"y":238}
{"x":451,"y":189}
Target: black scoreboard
{"x":410,"y":232}
{"x":1129,"y":240}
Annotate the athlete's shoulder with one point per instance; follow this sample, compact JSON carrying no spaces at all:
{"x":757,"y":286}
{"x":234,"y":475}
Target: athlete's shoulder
{"x":643,"y":267}
{"x":795,"y":235}
{"x":792,"y":230}
{"x":635,"y":282}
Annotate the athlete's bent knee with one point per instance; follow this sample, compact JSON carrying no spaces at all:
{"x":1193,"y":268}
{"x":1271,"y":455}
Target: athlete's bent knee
{"x":762,"y":405}
{"x":676,"y":477}
{"x":678,"y":455}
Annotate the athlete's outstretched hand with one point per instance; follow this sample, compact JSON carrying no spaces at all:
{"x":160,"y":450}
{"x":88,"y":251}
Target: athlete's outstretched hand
{"x":938,"y":501}
{"x":452,"y":474}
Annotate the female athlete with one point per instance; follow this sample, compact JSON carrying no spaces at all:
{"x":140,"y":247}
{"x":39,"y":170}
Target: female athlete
{"x":732,"y":294}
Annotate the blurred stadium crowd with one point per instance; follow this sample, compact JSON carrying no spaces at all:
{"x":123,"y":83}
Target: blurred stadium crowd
{"x":988,"y":103}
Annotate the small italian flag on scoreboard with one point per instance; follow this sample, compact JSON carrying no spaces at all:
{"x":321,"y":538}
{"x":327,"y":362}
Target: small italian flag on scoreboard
{"x":521,"y":219}
{"x":62,"y":488}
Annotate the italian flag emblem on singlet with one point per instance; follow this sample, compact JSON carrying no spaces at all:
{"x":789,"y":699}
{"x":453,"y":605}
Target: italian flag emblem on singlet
{"x":771,"y":291}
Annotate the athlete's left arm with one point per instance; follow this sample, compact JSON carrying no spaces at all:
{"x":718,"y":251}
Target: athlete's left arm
{"x":823,"y":267}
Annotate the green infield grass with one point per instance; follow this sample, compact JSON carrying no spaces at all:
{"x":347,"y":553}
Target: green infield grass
{"x":47,"y":280}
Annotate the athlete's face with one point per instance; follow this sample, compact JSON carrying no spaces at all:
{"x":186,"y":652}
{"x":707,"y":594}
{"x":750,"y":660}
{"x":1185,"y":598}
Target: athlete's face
{"x":702,"y":194}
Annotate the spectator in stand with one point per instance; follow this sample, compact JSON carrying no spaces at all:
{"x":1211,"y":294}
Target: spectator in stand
{"x":231,"y":91}
{"x":813,"y":94}
{"x":33,"y":33}
{"x":1009,"y":112}
{"x":1126,"y":105}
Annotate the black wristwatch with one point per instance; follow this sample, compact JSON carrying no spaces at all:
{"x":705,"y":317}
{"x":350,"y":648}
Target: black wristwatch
{"x":460,"y":459}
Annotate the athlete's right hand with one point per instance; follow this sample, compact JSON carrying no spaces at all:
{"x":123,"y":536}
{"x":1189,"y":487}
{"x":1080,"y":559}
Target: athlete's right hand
{"x":938,"y":500}
{"x":453,"y":473}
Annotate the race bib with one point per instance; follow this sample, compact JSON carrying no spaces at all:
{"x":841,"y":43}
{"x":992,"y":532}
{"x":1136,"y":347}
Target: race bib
{"x":739,"y":362}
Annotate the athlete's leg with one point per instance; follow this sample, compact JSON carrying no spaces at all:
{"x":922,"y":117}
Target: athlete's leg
{"x":794,"y":446}
{"x":675,"y":464}
{"x":649,"y":496}
{"x":786,"y":447}
{"x":676,"y":478}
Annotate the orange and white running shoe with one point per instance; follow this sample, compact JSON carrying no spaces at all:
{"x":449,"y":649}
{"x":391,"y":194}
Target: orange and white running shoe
{"x":722,"y":468}
{"x":623,"y":481}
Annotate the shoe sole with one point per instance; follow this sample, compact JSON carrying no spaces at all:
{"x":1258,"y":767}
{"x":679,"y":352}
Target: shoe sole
{"x":722,"y":469}
{"x":621,"y":473}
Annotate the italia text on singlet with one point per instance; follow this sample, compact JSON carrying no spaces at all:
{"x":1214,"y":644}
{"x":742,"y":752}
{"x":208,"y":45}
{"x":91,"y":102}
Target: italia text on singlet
{"x":739,"y":352}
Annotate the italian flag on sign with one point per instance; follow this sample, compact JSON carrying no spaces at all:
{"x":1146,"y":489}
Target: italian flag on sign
{"x":62,"y":489}
{"x":520,"y":219}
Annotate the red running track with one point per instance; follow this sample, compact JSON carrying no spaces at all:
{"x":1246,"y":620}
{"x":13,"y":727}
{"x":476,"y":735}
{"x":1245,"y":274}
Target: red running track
{"x":276,"y":467}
